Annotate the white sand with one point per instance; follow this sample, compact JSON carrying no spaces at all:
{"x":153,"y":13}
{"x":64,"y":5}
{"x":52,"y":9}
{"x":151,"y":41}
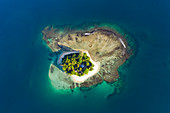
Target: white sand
{"x":81,"y":79}
{"x":65,"y":53}
{"x":59,"y":80}
{"x":87,"y":34}
{"x":122,"y":42}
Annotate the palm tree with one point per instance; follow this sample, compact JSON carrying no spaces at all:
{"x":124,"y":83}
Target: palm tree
{"x":80,"y":61}
{"x":86,"y":71}
{"x":91,"y":68}
{"x":87,"y":58}
{"x":87,"y":63}
{"x":92,"y":65}
{"x":72,"y":67}
{"x":74,"y":55}
{"x":64,"y":68}
{"x":80,"y":69}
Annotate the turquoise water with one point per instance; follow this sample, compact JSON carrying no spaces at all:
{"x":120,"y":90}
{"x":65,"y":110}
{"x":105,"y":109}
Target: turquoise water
{"x":24,"y":82}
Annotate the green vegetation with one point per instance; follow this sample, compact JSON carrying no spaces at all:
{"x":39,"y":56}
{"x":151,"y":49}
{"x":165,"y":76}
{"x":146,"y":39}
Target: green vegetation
{"x":77,"y":64}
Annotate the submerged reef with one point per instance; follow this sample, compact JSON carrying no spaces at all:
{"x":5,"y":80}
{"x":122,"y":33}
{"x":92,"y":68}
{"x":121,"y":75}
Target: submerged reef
{"x":105,"y":45}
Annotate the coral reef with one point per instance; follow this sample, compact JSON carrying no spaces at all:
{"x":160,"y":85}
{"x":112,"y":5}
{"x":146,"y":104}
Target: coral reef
{"x":104,"y":44}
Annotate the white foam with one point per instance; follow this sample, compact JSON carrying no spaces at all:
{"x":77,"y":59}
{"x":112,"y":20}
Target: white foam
{"x":122,"y":42}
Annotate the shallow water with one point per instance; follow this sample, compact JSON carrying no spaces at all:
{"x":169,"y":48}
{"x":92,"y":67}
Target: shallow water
{"x":24,"y":82}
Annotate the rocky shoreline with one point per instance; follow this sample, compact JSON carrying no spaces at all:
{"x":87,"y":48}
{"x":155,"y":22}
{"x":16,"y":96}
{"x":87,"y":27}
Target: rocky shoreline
{"x":104,"y":45}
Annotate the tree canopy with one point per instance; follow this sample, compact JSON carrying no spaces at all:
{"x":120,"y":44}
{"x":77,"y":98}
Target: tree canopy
{"x":77,"y":64}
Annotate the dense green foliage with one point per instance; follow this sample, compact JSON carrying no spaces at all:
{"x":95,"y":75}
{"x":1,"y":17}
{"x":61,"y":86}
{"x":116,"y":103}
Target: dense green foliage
{"x":77,"y":64}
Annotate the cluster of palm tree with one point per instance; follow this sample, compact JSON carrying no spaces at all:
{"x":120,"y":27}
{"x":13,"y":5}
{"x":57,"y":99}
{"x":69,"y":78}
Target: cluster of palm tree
{"x":77,"y":64}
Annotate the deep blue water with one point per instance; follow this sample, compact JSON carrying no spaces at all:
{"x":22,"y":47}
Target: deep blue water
{"x":24,"y":85}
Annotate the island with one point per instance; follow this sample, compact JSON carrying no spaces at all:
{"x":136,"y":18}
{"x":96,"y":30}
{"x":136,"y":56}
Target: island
{"x":85,"y":57}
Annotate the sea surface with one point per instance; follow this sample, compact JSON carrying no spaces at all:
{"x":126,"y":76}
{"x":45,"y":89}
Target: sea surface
{"x":24,"y":83}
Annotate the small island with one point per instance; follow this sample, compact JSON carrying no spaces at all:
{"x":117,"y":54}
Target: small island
{"x":85,"y":57}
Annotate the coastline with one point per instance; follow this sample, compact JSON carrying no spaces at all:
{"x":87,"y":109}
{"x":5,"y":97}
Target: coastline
{"x":63,"y":54}
{"x":96,"y":69}
{"x":106,"y":47}
{"x":81,"y":79}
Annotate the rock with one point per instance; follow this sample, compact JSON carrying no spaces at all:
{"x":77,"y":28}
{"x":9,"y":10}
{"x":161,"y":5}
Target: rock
{"x":103,"y":44}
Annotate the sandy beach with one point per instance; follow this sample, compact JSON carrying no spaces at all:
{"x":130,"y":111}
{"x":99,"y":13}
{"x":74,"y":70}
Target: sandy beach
{"x":81,"y":79}
{"x":65,"y":53}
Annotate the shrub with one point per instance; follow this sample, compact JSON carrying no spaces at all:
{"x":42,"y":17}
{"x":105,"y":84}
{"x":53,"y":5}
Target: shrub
{"x":87,"y":63}
{"x":86,"y":71}
{"x":91,"y":69}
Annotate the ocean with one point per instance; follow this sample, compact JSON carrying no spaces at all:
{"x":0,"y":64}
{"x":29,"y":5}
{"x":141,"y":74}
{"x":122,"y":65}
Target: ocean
{"x":24,"y":83}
